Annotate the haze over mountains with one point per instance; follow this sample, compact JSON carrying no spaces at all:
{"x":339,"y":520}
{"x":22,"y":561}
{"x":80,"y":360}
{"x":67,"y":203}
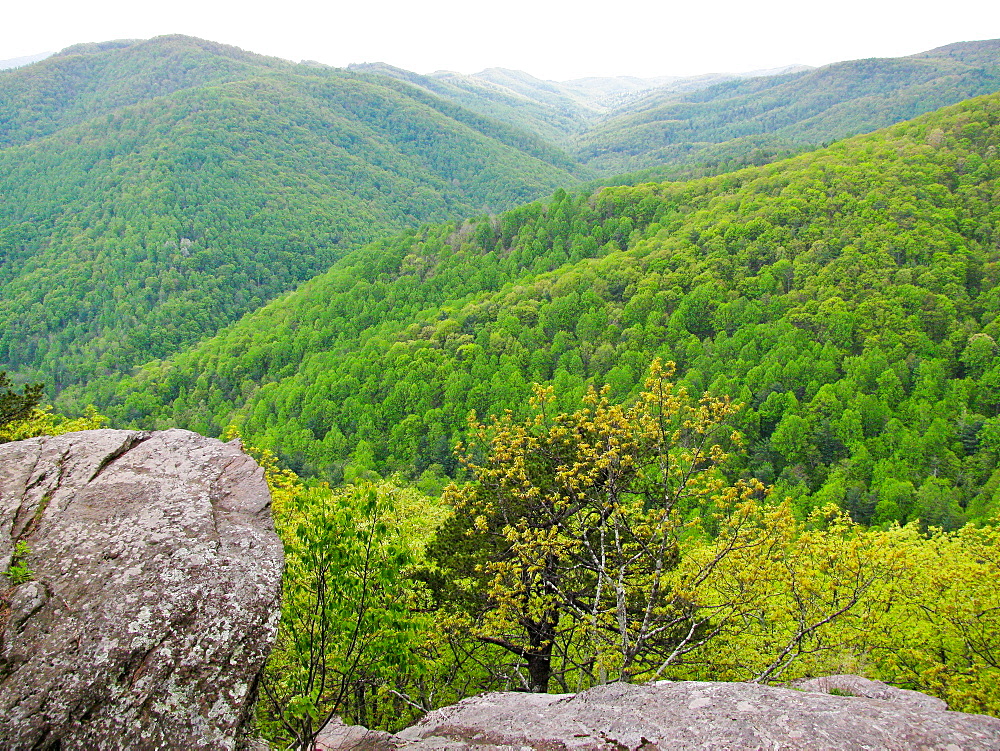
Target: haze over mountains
{"x":780,"y":114}
{"x":17,"y":62}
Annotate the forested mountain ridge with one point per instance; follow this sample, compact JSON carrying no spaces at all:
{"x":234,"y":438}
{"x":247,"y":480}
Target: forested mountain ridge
{"x":206,"y":180}
{"x":559,"y":111}
{"x":552,"y":115}
{"x":983,"y":52}
{"x":673,"y":127}
{"x":848,"y":297}
{"x":728,"y":121}
{"x":142,"y":212}
{"x":87,"y":80}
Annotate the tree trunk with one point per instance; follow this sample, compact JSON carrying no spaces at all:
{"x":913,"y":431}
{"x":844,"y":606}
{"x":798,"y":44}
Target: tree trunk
{"x":539,"y":670}
{"x":541,"y":636}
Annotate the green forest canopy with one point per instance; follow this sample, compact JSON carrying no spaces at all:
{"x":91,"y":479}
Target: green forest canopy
{"x":848,"y":297}
{"x":156,"y":191}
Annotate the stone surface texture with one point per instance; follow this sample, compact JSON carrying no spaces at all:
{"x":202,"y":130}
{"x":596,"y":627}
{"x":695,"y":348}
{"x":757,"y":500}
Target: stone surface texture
{"x":857,"y":686}
{"x":338,"y":736}
{"x":696,"y":715}
{"x":156,"y":591}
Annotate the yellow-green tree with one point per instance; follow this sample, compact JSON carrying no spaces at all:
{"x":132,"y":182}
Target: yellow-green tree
{"x":581,"y":518}
{"x":794,"y":597}
{"x":608,"y":544}
{"x":942,"y":633}
{"x":42,"y":421}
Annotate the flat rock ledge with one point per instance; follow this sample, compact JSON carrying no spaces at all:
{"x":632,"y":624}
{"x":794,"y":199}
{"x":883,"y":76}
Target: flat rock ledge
{"x":155,"y":597}
{"x":697,"y":715}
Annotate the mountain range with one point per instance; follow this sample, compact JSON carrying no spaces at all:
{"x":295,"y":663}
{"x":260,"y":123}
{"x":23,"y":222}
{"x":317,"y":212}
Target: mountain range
{"x":155,"y":191}
{"x":848,"y":297}
{"x":346,"y":262}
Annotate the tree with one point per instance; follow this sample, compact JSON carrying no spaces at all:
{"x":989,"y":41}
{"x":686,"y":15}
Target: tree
{"x":347,"y":630}
{"x":580,"y":518}
{"x":22,"y":418}
{"x":15,"y":407}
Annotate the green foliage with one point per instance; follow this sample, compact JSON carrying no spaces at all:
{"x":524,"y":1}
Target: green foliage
{"x":941,"y":634}
{"x":848,"y":297}
{"x":155,"y":192}
{"x":756,"y":593}
{"x":42,"y":421}
{"x":744,"y":590}
{"x":350,"y":627}
{"x":18,"y":571}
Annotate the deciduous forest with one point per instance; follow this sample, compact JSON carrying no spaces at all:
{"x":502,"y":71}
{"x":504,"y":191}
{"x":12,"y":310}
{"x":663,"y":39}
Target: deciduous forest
{"x":528,"y":423}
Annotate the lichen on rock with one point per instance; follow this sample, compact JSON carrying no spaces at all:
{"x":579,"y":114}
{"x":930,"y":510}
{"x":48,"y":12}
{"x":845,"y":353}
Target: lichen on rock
{"x":155,"y":597}
{"x":696,"y":715}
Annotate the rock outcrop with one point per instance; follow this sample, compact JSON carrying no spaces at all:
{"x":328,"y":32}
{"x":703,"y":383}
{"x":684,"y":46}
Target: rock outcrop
{"x":695,"y":715}
{"x":338,"y":736}
{"x":155,"y":596}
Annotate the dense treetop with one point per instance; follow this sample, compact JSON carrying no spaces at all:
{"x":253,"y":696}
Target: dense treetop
{"x":847,"y":297}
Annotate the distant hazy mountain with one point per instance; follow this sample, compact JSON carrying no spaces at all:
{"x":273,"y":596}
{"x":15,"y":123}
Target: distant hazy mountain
{"x":537,"y":107}
{"x":556,"y":110}
{"x":735,"y":122}
{"x":614,"y":93}
{"x":17,"y":62}
{"x":671,"y":127}
{"x":603,"y":94}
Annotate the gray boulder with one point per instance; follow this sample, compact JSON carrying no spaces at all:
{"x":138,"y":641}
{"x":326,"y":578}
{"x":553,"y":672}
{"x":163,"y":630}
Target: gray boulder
{"x":155,"y":597}
{"x":695,"y":715}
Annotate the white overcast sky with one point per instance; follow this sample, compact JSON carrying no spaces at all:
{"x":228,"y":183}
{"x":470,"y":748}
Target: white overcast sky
{"x":549,"y":39}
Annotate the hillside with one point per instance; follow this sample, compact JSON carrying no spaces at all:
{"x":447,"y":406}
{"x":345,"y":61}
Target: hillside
{"x":558,"y":111}
{"x":543,"y":109}
{"x":728,"y":122}
{"x":87,"y":80}
{"x":627,"y":130}
{"x":156,"y":191}
{"x":848,"y":297}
